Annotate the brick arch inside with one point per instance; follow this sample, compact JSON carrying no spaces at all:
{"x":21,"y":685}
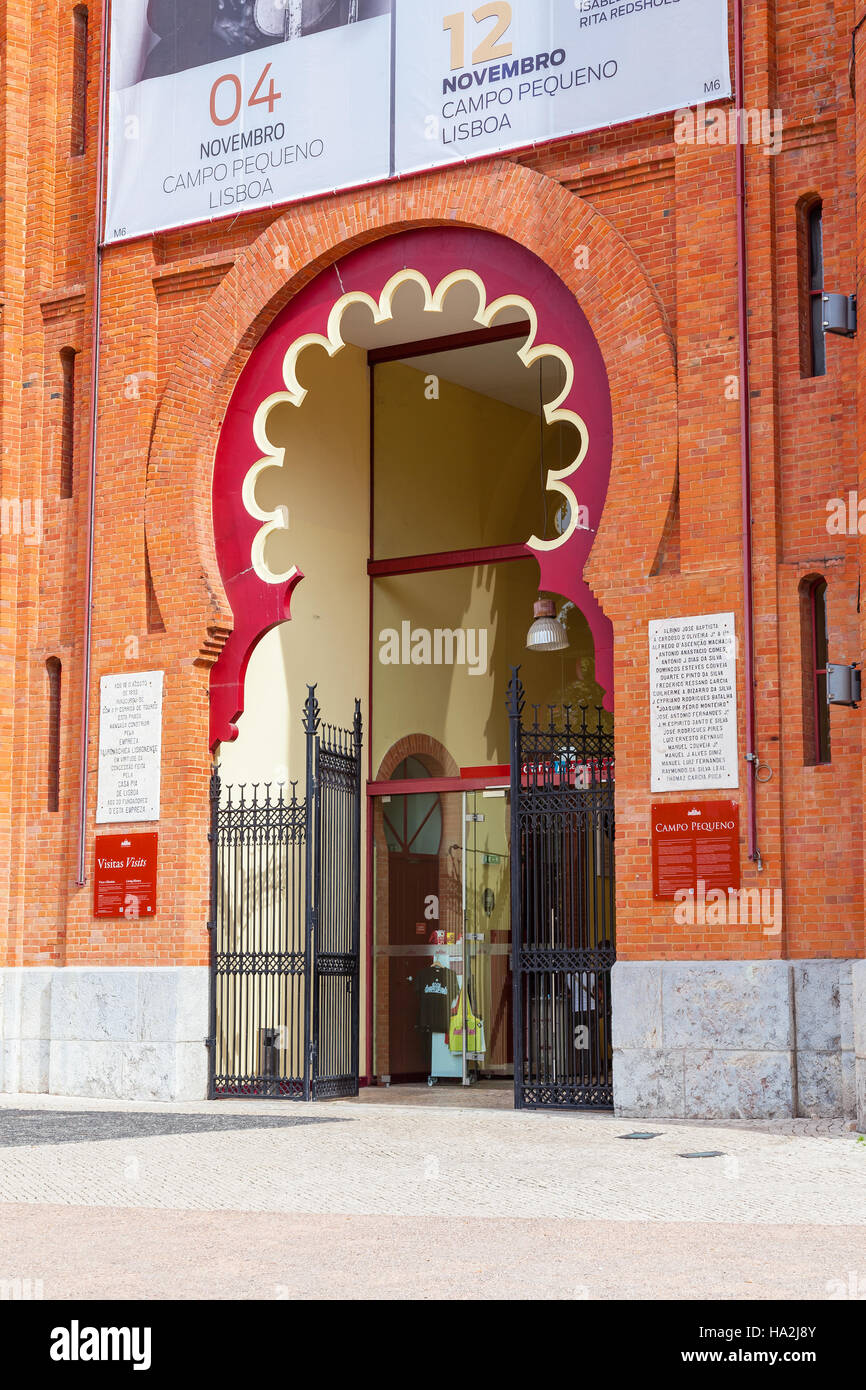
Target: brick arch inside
{"x":420,"y":746}
{"x":566,"y":236}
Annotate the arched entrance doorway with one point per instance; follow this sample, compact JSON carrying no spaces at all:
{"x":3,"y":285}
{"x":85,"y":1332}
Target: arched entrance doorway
{"x":427,"y":421}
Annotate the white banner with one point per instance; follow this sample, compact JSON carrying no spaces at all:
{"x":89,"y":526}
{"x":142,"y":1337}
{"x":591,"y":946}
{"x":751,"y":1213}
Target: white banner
{"x":219,"y":106}
{"x":197,"y":135}
{"x":503,"y":75}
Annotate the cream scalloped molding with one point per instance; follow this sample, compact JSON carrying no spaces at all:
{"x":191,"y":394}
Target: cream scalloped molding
{"x":277,"y":519}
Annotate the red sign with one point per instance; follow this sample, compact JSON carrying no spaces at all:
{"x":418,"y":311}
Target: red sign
{"x":124,"y":880}
{"x":695,"y":842}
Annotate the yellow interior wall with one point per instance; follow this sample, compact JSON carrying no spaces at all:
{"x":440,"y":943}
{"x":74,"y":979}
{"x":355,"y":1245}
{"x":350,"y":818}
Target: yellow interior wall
{"x":467,"y":713}
{"x":325,"y":484}
{"x":432,"y":496}
{"x":472,"y":474}
{"x":457,"y":472}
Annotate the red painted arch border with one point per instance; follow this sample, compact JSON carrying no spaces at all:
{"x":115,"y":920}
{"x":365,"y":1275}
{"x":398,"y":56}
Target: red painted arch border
{"x":506,"y":268}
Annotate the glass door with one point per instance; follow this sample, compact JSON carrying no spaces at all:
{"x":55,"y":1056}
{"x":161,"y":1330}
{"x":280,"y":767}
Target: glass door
{"x":486,"y":996}
{"x":442,"y":937}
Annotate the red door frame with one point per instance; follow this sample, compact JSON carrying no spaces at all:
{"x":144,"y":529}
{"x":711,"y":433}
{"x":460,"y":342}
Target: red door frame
{"x":408,"y":787}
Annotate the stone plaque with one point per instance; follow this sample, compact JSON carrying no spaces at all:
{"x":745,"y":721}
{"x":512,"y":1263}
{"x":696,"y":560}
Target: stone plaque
{"x":130,"y":745}
{"x":693,"y":703}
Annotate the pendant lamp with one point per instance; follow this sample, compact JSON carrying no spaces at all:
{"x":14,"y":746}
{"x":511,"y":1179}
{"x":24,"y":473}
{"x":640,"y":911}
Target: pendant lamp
{"x":547,"y":633}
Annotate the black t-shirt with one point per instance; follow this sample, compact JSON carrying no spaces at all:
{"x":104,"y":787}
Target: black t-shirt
{"x":437,"y":988}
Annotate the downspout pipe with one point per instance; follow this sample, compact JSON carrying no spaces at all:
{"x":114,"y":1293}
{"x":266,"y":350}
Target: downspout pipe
{"x":745,"y":447}
{"x":96,"y":320}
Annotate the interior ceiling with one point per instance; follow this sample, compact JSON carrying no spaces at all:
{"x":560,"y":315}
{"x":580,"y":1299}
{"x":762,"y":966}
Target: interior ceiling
{"x":491,"y":369}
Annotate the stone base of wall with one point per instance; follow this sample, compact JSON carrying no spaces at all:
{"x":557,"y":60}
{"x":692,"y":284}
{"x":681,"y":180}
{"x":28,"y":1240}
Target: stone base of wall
{"x":693,"y":1039}
{"x":740,"y":1039}
{"x":124,"y":1033}
{"x":858,"y":980}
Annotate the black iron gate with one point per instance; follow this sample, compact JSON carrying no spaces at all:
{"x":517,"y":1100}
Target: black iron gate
{"x":562,"y":894}
{"x":285,"y":925}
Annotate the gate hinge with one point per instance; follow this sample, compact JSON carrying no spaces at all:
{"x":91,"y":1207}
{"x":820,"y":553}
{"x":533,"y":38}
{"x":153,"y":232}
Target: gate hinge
{"x":209,"y":926}
{"x":210,"y":1042}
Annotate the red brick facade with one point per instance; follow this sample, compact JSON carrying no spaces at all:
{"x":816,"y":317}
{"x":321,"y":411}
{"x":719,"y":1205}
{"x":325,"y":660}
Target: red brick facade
{"x":658,"y":282}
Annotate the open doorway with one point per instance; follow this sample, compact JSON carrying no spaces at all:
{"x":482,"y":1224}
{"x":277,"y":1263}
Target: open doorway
{"x":443,"y":983}
{"x":461,"y":454}
{"x":428,"y":445}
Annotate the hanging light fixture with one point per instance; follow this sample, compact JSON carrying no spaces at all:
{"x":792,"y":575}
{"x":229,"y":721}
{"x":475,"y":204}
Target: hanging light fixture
{"x":546,"y":633}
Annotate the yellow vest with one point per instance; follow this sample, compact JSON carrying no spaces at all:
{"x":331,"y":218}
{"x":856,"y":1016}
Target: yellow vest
{"x":474,"y":1028}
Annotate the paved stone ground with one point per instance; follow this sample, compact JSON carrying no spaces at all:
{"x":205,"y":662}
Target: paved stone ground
{"x":390,"y":1197}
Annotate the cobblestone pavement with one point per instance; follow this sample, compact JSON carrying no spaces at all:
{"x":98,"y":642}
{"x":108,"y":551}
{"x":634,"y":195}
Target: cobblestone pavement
{"x":393,"y":1197}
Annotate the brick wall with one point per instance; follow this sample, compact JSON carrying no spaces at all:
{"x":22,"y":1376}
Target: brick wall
{"x":181,"y":312}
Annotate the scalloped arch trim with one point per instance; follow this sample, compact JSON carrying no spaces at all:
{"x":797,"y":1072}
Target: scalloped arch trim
{"x":382,"y":311}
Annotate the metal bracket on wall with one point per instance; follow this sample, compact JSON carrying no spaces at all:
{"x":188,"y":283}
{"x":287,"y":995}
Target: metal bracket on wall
{"x":840,"y":314}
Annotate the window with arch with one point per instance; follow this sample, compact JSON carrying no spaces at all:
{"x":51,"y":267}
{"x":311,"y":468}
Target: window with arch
{"x":813,"y":629}
{"x":813,"y":361}
{"x":413,"y":824}
{"x":53,"y":671}
{"x":78,"y":125}
{"x":67,"y":422}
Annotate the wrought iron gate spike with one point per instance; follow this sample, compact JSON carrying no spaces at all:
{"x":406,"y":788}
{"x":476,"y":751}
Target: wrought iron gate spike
{"x":311,"y":711}
{"x":285,"y":884}
{"x":515,"y":698}
{"x":562,"y":910}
